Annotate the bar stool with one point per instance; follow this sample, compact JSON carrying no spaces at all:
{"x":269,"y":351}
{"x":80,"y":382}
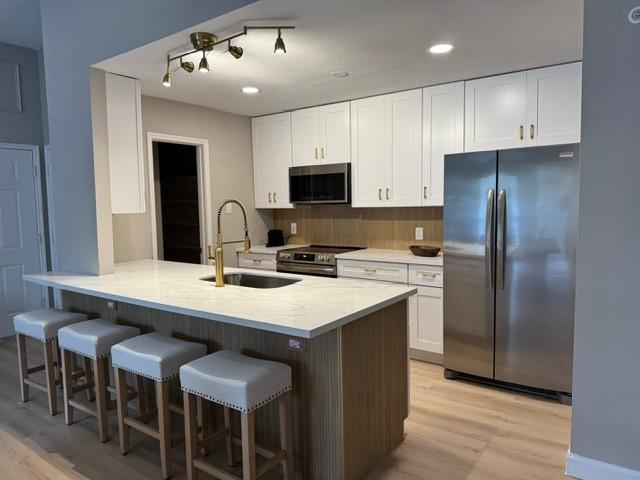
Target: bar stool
{"x":158,"y":358}
{"x":91,"y":339}
{"x":244,"y":384}
{"x":42,"y":325}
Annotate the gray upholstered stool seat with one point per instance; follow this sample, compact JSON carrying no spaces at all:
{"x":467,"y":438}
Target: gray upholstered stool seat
{"x":155,"y":356}
{"x":94,"y":338}
{"x":235,"y":380}
{"x":44,"y":324}
{"x":244,"y":384}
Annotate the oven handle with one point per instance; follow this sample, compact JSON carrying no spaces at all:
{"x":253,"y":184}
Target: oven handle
{"x":289,"y":267}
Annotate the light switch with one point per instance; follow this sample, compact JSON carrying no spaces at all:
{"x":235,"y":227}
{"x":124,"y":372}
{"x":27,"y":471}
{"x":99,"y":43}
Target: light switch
{"x":294,"y":228}
{"x":419,"y":233}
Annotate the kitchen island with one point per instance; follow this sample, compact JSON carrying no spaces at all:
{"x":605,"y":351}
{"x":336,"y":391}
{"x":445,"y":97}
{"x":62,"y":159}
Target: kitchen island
{"x":345,"y":340}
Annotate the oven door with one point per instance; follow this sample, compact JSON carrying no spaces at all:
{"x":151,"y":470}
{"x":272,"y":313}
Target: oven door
{"x":307,"y":269}
{"x":329,"y":183}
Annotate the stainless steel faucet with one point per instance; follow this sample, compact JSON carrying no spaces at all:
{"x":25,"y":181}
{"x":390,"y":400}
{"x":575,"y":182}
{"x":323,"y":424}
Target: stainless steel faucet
{"x":219,"y":243}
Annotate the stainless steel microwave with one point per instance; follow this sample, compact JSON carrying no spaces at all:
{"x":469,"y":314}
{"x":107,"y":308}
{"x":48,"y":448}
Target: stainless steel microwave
{"x":330,"y":183}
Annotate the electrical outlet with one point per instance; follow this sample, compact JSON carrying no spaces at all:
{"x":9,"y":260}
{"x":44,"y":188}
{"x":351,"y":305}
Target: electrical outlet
{"x":229,"y":208}
{"x":296,"y":344}
{"x":419,"y":233}
{"x":294,"y":228}
{"x":111,"y":305}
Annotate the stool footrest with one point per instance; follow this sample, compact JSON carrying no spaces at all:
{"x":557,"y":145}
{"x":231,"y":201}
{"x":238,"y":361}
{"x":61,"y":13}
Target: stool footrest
{"x":142,"y":427}
{"x":37,"y":368}
{"x":212,"y":470}
{"x":263,"y":452}
{"x":36,"y":385}
{"x":270,"y":463}
{"x":83,"y":407}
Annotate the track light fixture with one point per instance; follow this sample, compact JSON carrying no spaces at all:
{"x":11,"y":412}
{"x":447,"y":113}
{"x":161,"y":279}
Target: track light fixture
{"x":235,"y":50}
{"x":205,"y":42}
{"x":204,"y":64}
{"x":279,"y":47}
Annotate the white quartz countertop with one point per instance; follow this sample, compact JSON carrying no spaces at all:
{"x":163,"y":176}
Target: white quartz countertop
{"x":305,"y":309}
{"x":268,"y":250}
{"x":388,"y":255}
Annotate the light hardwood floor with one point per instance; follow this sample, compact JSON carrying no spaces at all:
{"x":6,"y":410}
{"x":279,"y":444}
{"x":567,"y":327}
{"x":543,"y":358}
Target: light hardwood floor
{"x":456,"y":431}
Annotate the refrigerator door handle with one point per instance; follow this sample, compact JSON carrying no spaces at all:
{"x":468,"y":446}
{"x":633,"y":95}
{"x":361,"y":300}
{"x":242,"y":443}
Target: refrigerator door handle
{"x":501,"y":239}
{"x":489,"y":240}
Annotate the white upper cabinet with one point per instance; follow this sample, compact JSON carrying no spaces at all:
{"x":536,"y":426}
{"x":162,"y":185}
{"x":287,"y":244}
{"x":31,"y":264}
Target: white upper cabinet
{"x":321,"y":135}
{"x":495,"y":112}
{"x":124,"y":132}
{"x":554,"y":97}
{"x":442,"y":133}
{"x":386,"y":148}
{"x":271,"y":141}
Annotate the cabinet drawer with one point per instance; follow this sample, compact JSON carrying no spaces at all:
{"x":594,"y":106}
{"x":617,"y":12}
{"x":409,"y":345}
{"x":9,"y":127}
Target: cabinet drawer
{"x":427,"y":275}
{"x":257,"y":260}
{"x":388,"y":272}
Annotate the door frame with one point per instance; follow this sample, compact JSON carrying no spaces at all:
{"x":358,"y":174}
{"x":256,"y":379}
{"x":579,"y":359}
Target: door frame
{"x":35,"y":164}
{"x":204,"y":188}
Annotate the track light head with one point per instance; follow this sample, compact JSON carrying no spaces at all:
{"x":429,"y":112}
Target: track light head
{"x":204,"y":64}
{"x":279,"y":47}
{"x":236,"y":51}
{"x":187,"y":66}
{"x":166,"y":80}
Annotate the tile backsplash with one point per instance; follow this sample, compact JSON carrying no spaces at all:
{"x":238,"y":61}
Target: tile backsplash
{"x":368,"y":227}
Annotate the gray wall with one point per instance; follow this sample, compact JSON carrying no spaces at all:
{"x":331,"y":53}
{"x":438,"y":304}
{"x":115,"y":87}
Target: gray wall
{"x":230,"y":159}
{"x":77,"y":34}
{"x":26,"y":126}
{"x":606,"y":390}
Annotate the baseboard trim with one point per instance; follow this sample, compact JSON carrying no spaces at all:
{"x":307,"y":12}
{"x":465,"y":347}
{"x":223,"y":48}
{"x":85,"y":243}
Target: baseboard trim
{"x":426,"y":356}
{"x":586,"y":468}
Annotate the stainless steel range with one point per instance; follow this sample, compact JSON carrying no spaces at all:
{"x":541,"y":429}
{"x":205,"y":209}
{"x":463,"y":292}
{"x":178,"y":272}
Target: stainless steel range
{"x":311,"y":260}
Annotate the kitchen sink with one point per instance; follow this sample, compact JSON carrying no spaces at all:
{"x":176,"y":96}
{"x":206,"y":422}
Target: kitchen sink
{"x":254,"y":281}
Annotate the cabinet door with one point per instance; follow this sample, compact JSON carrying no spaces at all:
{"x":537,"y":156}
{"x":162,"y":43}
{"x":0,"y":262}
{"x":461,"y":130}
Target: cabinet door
{"x":271,"y":140}
{"x":554,"y":97}
{"x":335,"y":138}
{"x":495,"y":112}
{"x":305,"y":137}
{"x":405,"y":110}
{"x":442,"y":133}
{"x":124,"y":131}
{"x":425,"y":320}
{"x":370,"y":151}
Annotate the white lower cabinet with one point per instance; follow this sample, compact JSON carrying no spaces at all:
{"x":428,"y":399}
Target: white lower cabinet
{"x":426,"y":320}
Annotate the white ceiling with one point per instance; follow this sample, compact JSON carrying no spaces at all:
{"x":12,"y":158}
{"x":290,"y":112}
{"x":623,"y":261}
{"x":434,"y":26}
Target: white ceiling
{"x":381,"y":43}
{"x":20,"y":23}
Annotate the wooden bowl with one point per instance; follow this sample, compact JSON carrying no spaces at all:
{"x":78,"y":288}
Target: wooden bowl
{"x":424,"y":250}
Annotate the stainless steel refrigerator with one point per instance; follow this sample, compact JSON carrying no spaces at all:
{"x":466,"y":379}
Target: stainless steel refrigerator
{"x":510,"y":226}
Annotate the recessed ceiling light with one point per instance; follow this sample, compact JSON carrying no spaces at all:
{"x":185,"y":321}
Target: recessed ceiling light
{"x":250,"y":90}
{"x":441,"y":48}
{"x":339,"y":74}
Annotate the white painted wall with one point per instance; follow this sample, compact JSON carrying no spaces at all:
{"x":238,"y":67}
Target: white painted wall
{"x":230,"y":158}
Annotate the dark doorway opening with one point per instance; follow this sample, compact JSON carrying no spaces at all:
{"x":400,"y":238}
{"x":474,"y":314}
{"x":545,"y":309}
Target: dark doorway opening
{"x":177,"y":202}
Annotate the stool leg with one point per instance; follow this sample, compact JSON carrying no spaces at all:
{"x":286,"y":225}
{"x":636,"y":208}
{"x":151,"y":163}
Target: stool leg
{"x":204,"y":420}
{"x":67,"y":385}
{"x":227,"y":437}
{"x":122,"y":409}
{"x":101,"y":398}
{"x":142,"y":401}
{"x":23,"y":366}
{"x":51,"y":376}
{"x":248,"y":446}
{"x":164,"y":427}
{"x":286,"y":440}
{"x":89,"y":379}
{"x":190,"y":432}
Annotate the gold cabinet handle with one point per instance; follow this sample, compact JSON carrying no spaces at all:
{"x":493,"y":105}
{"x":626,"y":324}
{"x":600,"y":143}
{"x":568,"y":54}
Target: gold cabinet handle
{"x":424,"y":194}
{"x":428,"y":274}
{"x":269,"y":197}
{"x":521,"y":132}
{"x":379,"y":194}
{"x":315,"y":153}
{"x":274,"y":198}
{"x":370,"y":270}
{"x":321,"y":152}
{"x":257,"y":260}
{"x":532,"y":131}
{"x":387,"y":193}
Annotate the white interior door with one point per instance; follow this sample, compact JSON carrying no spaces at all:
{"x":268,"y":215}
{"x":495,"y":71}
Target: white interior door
{"x":554,"y":96}
{"x":19,"y":235}
{"x":495,"y":112}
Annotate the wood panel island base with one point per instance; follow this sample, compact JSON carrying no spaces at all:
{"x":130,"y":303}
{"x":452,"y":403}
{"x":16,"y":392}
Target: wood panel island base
{"x":350,"y":382}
